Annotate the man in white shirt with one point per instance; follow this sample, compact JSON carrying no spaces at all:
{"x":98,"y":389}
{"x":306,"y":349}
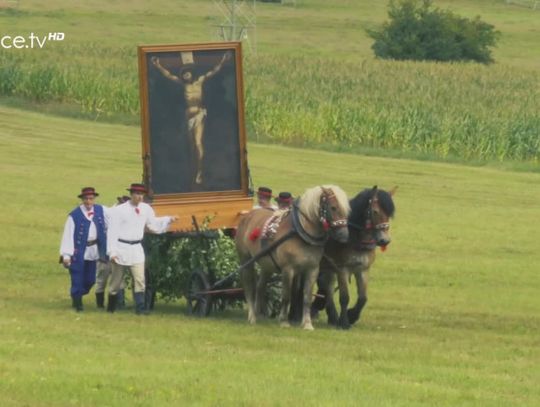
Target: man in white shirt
{"x":103,"y":270}
{"x":126,"y":231}
{"x":83,"y":243}
{"x":264,"y":199}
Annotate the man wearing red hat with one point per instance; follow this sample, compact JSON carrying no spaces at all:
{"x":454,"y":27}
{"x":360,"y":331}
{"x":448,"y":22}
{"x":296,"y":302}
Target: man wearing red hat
{"x":284,"y":200}
{"x":264,"y":199}
{"x":83,"y":243}
{"x":126,"y":231}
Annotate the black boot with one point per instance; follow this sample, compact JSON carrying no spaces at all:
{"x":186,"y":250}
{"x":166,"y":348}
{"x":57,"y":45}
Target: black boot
{"x":77,"y":304}
{"x":100,"y":300}
{"x":140,"y":308}
{"x":111,"y":304}
{"x":120,"y":300}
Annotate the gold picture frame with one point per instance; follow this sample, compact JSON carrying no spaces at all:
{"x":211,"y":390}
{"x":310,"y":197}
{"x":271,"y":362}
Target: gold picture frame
{"x":193,"y":131}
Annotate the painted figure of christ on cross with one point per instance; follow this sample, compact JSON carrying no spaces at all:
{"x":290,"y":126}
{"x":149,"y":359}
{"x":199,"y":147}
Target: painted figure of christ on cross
{"x":195,"y":112}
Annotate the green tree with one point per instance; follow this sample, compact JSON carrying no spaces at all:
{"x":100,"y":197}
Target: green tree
{"x":418,"y":31}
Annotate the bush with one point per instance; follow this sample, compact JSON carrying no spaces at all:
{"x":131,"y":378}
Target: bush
{"x":172,"y":261}
{"x":417,"y":31}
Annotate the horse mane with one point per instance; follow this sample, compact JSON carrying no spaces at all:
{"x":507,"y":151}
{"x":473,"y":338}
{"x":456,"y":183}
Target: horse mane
{"x":311,"y":198}
{"x":359,"y":205}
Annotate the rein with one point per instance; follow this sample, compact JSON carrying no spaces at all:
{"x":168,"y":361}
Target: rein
{"x":267,"y":249}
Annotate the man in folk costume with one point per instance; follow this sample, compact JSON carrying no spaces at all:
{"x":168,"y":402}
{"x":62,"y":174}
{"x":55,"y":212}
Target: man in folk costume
{"x":103,"y":270}
{"x":264,"y":199}
{"x":284,"y":200}
{"x":126,"y":231}
{"x":83,"y":243}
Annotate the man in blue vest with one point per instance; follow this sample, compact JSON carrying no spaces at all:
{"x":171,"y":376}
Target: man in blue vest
{"x":84,"y":242}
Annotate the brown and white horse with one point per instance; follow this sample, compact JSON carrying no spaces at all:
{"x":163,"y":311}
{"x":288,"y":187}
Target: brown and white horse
{"x":301,"y":235}
{"x":369,"y":228}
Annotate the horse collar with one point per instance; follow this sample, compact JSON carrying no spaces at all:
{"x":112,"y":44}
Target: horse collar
{"x":303,"y":233}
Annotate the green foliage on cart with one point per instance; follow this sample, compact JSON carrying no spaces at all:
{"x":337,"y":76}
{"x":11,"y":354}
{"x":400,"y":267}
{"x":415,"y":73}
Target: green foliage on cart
{"x":171,"y":260}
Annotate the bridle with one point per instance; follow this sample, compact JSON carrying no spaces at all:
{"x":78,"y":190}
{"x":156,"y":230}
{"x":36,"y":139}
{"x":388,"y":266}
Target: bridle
{"x":325,"y":218}
{"x":370,"y":223}
{"x":325,"y":215}
{"x":371,"y":226}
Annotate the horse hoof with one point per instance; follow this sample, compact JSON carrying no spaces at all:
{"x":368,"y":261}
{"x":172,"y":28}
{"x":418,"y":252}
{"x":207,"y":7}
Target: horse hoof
{"x":285,"y":324}
{"x":353,"y":315}
{"x":308,"y":327}
{"x":343,"y":326}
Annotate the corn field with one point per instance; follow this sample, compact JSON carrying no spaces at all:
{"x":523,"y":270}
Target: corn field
{"x":465,"y":110}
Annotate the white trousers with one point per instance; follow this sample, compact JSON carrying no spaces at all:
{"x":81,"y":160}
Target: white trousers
{"x":117,"y":277}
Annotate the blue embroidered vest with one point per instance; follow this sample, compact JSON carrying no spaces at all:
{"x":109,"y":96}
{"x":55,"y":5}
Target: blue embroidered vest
{"x":80,"y":236}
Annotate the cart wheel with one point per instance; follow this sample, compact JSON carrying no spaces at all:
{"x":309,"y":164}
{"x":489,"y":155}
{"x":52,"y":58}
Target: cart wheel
{"x":220,"y":304}
{"x":198,"y":304}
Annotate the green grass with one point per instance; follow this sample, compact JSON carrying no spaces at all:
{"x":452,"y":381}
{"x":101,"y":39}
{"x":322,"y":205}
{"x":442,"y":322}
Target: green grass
{"x":313,"y":82}
{"x":453,"y":315}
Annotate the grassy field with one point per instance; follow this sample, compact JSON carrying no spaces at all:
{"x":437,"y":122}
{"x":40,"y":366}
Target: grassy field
{"x":313,"y":82}
{"x":453,"y":317}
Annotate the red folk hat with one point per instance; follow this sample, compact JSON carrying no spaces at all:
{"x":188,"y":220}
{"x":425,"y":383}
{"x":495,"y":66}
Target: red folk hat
{"x":140,"y":188}
{"x":86,"y":191}
{"x":284,"y":197}
{"x":264,"y":192}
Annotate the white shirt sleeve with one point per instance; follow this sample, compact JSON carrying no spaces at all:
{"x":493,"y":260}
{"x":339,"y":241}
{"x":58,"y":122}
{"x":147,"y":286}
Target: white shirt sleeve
{"x":66,"y":246}
{"x":106,"y":215}
{"x":155,"y":224}
{"x":112,"y":232}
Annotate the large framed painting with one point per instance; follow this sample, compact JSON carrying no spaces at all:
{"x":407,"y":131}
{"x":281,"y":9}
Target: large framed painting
{"x":193,"y":132}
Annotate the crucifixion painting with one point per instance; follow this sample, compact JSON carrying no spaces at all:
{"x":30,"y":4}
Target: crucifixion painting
{"x":193,"y":114}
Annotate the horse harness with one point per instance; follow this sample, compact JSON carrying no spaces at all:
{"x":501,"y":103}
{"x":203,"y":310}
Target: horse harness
{"x":325,"y":218}
{"x":369,"y":225}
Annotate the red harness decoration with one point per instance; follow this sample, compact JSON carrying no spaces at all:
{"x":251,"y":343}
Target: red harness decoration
{"x":325,"y":225}
{"x":255,"y":234}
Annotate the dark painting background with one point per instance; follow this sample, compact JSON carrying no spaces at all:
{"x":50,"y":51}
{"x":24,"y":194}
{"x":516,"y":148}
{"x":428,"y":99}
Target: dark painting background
{"x":172,"y":164}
